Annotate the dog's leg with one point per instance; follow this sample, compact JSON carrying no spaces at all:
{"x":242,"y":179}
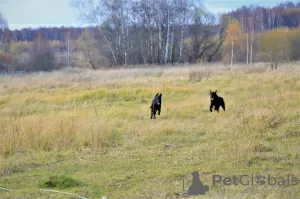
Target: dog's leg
{"x":211,"y":107}
{"x":151,"y":113}
{"x":217,"y":108}
{"x":223,"y":104}
{"x":159,"y":110}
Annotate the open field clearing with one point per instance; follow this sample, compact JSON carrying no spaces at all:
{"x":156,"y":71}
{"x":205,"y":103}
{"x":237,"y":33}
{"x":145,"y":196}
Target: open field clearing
{"x":89,"y":132}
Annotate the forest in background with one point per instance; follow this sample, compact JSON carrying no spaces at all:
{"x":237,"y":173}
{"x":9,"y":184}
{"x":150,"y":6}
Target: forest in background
{"x":155,"y":32}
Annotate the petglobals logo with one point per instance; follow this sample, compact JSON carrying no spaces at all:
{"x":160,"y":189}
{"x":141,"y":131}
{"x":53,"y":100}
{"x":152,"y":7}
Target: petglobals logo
{"x":193,"y":184}
{"x":246,"y":180}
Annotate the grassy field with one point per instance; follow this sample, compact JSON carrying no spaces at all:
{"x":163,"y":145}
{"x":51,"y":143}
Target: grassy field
{"x":89,"y":133}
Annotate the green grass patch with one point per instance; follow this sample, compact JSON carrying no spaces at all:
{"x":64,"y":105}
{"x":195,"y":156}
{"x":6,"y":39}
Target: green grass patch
{"x":61,"y":182}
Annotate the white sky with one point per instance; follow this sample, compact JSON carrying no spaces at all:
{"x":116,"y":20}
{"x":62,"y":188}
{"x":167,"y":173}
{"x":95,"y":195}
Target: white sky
{"x":48,"y":13}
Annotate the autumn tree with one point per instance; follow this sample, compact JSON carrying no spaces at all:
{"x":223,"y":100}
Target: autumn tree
{"x":278,"y":45}
{"x":232,"y":33}
{"x":69,"y":36}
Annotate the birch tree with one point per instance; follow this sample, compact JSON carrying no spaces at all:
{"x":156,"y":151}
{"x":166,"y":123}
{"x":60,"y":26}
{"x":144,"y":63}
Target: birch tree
{"x":168,"y":31}
{"x":183,"y":11}
{"x":3,"y":33}
{"x":170,"y":6}
{"x":249,"y":28}
{"x":68,"y":46}
{"x":151,"y":31}
{"x":117,"y":27}
{"x":159,"y":24}
{"x":252,"y":38}
{"x":233,"y":31}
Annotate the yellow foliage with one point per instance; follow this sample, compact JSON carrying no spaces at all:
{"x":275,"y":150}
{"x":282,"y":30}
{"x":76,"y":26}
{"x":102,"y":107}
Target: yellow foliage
{"x":17,"y":48}
{"x":275,"y":44}
{"x":280,"y":44}
{"x":233,"y":31}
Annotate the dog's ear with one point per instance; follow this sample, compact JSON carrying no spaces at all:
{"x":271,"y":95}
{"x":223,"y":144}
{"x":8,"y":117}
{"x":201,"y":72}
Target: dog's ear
{"x":216,"y":91}
{"x":209,"y":91}
{"x":160,"y":94}
{"x":156,"y":94}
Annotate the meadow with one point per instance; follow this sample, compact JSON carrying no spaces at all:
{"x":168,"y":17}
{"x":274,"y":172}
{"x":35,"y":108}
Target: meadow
{"x":89,"y":132}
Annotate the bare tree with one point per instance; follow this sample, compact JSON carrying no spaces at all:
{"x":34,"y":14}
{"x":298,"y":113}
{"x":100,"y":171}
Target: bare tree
{"x":203,"y":45}
{"x":247,"y":47}
{"x":68,"y":45}
{"x":171,"y":9}
{"x":3,"y":32}
{"x":168,"y":31}
{"x":87,"y":46}
{"x":92,"y":11}
{"x":150,"y":31}
{"x":251,"y":47}
{"x":159,"y":16}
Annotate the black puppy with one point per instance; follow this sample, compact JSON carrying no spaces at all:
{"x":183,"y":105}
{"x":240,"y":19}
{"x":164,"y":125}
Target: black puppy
{"x":216,"y":101}
{"x":156,"y":105}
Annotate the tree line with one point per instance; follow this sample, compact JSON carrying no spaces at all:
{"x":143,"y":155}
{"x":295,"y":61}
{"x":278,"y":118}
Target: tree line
{"x":258,"y":34}
{"x":152,"y":32}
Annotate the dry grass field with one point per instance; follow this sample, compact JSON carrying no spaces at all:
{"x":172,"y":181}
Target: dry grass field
{"x":89,"y":132}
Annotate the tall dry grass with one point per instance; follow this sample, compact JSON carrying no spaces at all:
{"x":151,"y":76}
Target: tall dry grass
{"x":100,"y":121}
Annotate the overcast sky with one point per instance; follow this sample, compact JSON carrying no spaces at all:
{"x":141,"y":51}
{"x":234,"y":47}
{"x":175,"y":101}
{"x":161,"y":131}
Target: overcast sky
{"x":49,"y":13}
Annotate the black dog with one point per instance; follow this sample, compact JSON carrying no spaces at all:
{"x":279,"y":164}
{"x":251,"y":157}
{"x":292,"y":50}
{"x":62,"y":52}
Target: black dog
{"x":156,"y":105}
{"x":216,"y":101}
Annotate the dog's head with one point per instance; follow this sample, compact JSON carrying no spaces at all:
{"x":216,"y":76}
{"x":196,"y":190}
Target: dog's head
{"x":213,"y":95}
{"x":195,"y":174}
{"x":157,"y":98}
